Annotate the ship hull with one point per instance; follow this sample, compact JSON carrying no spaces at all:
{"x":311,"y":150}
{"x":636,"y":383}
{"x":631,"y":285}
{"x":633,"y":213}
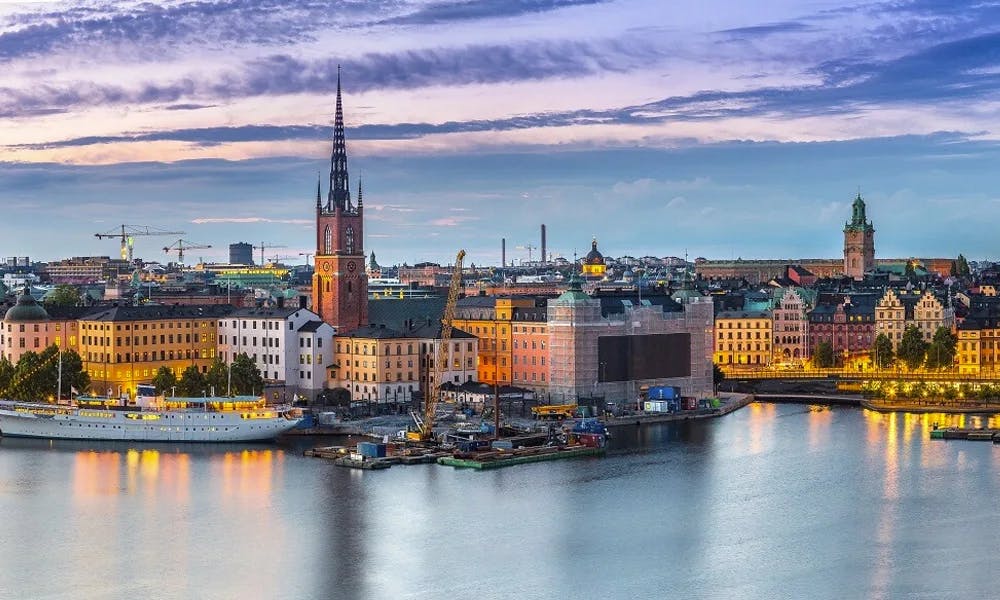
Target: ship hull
{"x":134,"y":426}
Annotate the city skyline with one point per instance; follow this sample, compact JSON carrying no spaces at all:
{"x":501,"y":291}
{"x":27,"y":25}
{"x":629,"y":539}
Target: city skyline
{"x":745,"y":135}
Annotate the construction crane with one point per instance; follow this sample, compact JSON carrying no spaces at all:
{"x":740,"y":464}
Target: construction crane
{"x":425,"y":425}
{"x":529,"y":248}
{"x":263,"y":247}
{"x":276,"y":258}
{"x":127,"y":233}
{"x":181,"y":245}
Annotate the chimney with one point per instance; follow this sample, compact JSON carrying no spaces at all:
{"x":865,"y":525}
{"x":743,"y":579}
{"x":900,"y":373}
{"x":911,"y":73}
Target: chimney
{"x":543,"y":244}
{"x":503,"y":253}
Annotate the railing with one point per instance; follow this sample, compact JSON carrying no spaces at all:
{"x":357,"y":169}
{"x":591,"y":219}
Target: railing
{"x":864,"y":375}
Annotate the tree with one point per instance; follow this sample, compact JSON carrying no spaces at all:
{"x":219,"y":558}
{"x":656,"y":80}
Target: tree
{"x":882,"y":353}
{"x":36,"y":376}
{"x":910,"y":272}
{"x":164,"y":381}
{"x":962,"y":266}
{"x":6,"y":376}
{"x":912,"y":348}
{"x":718,"y":375}
{"x":941,"y":352}
{"x":823,"y":357}
{"x":63,"y":295}
{"x":953,"y":270}
{"x":217,"y":377}
{"x":192,"y":383}
{"x":246,"y":376}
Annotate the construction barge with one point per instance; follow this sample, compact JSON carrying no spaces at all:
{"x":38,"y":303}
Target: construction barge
{"x":962,"y":433}
{"x":496,"y":460}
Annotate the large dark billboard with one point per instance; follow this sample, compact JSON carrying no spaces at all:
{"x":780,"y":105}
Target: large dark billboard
{"x":653,"y":356}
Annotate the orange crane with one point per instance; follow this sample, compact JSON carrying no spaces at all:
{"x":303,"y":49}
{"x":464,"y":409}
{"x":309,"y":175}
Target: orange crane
{"x":181,"y":245}
{"x":425,"y":425}
{"x":263,"y":247}
{"x":128,"y":233}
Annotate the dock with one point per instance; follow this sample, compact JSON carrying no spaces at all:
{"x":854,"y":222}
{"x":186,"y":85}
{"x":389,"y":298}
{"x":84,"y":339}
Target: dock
{"x":496,"y":460}
{"x":734,"y":402}
{"x":958,"y":433}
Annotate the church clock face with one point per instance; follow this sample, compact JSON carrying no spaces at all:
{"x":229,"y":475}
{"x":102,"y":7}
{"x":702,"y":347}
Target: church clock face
{"x":351,"y":266}
{"x":326,"y":266}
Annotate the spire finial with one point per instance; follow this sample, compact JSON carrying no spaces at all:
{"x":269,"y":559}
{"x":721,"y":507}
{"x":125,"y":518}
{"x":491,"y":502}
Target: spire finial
{"x":340,"y":195}
{"x":318,"y":192}
{"x":360,"y":202}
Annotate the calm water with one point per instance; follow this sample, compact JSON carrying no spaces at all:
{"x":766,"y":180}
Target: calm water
{"x":774,"y":501}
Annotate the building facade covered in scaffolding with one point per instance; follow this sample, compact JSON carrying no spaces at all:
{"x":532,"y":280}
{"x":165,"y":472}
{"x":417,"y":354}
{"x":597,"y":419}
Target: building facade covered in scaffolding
{"x":610,"y":347}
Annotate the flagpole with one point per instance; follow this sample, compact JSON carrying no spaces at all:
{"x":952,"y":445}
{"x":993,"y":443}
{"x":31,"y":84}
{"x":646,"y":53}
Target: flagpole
{"x":59,"y":385}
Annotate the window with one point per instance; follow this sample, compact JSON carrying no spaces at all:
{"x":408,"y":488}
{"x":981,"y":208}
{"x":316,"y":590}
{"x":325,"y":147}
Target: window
{"x":349,"y":240}
{"x":328,"y":241}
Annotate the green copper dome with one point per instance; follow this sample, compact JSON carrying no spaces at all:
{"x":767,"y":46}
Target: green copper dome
{"x":575,"y":290}
{"x":26,"y":309}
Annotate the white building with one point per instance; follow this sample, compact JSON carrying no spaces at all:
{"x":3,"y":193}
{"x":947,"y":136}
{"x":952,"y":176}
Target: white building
{"x":291,"y":346}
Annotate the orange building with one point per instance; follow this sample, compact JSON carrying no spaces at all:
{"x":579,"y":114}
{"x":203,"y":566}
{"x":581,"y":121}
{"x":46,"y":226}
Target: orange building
{"x":493,"y":321}
{"x":122,"y":346}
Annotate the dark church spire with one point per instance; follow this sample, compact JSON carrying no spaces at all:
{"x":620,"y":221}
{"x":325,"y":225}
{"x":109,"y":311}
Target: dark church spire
{"x":340,"y":194}
{"x":360,"y":202}
{"x":319,"y":202}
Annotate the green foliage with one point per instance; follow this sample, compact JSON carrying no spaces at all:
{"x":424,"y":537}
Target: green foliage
{"x":912,"y":348}
{"x":63,"y":295}
{"x":192,"y":383}
{"x":941,"y":351}
{"x":6,"y":375}
{"x":962,"y":266}
{"x":217,"y":377}
{"x":247,"y":379}
{"x":950,"y":393}
{"x":718,"y":376}
{"x":882,"y":353}
{"x":910,"y":272}
{"x":164,"y":381}
{"x":823,"y":356}
{"x":36,"y":376}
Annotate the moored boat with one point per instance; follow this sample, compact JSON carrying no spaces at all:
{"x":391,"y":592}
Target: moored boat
{"x":151,"y":418}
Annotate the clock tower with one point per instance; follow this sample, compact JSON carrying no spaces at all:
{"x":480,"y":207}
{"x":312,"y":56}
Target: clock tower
{"x":859,"y":242}
{"x":339,"y":284}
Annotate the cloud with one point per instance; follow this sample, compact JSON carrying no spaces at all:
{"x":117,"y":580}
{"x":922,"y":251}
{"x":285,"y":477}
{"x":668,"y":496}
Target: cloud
{"x":446,"y":12}
{"x":278,"y":74}
{"x":454,"y":221}
{"x":768,"y":29}
{"x":205,"y":220}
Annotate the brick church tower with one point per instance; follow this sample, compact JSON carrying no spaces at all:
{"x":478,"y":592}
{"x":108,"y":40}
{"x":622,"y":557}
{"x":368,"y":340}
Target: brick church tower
{"x":339,"y":284}
{"x":859,"y":242}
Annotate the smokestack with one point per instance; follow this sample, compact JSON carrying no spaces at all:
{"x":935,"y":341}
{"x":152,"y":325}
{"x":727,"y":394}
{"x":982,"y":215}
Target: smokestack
{"x":503,"y":253}
{"x":543,"y":244}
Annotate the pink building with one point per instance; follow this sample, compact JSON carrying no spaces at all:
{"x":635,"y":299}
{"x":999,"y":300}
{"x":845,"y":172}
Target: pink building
{"x":28,"y":326}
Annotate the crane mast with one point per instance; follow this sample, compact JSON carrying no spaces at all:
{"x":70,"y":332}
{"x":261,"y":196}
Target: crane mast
{"x":434,"y":391}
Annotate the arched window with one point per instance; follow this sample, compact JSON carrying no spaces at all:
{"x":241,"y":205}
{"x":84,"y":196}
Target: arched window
{"x":328,"y":241}
{"x":349,"y":240}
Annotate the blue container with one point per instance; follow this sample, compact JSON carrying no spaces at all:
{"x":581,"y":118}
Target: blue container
{"x":664,"y":392}
{"x":371,"y":449}
{"x":503,"y":445}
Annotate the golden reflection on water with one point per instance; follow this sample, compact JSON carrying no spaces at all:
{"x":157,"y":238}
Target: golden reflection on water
{"x":820,"y":418}
{"x":761,"y":421}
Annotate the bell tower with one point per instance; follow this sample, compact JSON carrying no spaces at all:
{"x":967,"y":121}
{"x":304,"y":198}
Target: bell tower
{"x":339,"y":284}
{"x":859,"y":242}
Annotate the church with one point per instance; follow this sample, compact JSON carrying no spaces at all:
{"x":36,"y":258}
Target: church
{"x":339,"y":283}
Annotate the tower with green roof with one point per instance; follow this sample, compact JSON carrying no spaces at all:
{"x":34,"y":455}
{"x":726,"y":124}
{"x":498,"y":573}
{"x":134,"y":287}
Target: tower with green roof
{"x":859,"y":242}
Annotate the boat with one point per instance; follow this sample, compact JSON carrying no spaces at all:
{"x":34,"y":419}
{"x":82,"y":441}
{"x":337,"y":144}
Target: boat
{"x":150,"y":418}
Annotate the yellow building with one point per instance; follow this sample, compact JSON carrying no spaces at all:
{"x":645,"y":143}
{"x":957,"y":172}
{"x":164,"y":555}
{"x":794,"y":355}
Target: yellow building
{"x":380,"y":365}
{"x":122,"y":346}
{"x":593,"y":263}
{"x":897,"y":310}
{"x":978,"y":347}
{"x":743,"y":338}
{"x":493,"y":319}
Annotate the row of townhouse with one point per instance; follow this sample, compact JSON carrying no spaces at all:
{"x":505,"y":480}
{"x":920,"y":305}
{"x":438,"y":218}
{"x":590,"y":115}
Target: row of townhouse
{"x":799,"y":321}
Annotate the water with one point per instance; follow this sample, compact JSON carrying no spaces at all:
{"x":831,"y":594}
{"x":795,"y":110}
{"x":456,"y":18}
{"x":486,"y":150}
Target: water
{"x":774,"y":501}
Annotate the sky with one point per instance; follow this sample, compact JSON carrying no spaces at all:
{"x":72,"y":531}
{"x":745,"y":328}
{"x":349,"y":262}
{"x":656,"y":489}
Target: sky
{"x":715,"y":128}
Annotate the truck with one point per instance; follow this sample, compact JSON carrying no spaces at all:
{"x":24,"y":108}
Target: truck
{"x":554,"y":411}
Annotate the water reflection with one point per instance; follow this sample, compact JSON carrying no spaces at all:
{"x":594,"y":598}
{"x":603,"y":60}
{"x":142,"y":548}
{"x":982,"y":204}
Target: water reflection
{"x":771,"y":501}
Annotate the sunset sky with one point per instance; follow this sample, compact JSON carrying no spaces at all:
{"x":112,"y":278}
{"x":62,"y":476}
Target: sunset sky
{"x":716,"y":128}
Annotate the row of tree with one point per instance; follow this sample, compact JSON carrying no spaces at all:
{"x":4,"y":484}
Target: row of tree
{"x":245,"y":379}
{"x":913,"y":352}
{"x":36,"y":375}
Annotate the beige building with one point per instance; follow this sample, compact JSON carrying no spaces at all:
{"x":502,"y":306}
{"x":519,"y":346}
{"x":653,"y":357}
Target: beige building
{"x":790,"y":328}
{"x":380,"y":365}
{"x":897,"y":310}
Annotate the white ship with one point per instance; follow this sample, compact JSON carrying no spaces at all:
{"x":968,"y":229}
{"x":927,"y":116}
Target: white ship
{"x":150,"y":419}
